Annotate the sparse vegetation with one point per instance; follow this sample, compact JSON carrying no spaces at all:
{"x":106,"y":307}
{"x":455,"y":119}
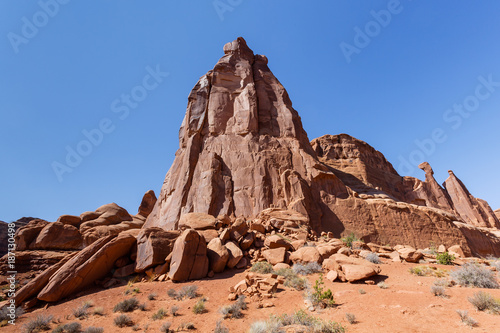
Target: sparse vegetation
{"x":485,"y":302}
{"x":234,"y":310}
{"x":190,"y":291}
{"x":373,"y":258}
{"x":301,"y":317}
{"x":445,"y":258}
{"x":351,"y":318}
{"x":199,"y":307}
{"x":152,"y":296}
{"x":220,"y":328}
{"x":292,"y":279}
{"x":5,"y":315}
{"x":93,"y":329}
{"x":438,"y":291}
{"x":262,"y":267}
{"x":165,"y":328}
{"x":307,"y":269}
{"x":40,"y":323}
{"x":466,"y":319}
{"x":348,"y":240}
{"x":143,"y":307}
{"x":173,"y":310}
{"x":127,"y":305}
{"x":186,"y":326}
{"x":68,"y":328}
{"x":424,"y":270}
{"x":362,"y":291}
{"x":99,"y":311}
{"x":81,"y":312}
{"x":123,"y":321}
{"x":475,"y":275}
{"x":318,"y":296}
{"x":382,"y":285}
{"x":160,"y":314}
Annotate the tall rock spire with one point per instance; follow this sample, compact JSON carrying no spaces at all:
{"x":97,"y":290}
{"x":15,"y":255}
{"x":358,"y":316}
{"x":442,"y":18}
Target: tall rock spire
{"x":242,"y":147}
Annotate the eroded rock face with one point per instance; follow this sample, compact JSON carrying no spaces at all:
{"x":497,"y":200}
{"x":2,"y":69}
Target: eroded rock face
{"x":27,"y":234}
{"x":472,"y":210}
{"x":242,"y":148}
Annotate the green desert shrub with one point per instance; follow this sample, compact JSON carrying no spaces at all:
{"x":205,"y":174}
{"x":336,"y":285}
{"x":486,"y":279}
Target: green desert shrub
{"x":320,"y":297}
{"x":445,"y":258}
{"x":68,"y":328}
{"x":160,"y":314}
{"x":93,"y":329}
{"x":348,"y":240}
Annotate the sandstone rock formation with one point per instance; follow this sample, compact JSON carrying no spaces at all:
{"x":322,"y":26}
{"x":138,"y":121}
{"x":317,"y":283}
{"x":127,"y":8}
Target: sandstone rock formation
{"x":90,"y":264}
{"x":472,"y":210}
{"x":242,"y":150}
{"x":189,"y":257}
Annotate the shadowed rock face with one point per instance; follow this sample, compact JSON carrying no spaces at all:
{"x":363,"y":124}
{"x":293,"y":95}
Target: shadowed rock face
{"x":243,"y":150}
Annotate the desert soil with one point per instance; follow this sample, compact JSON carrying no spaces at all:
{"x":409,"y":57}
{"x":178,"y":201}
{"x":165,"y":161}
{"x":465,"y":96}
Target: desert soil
{"x":406,"y":306}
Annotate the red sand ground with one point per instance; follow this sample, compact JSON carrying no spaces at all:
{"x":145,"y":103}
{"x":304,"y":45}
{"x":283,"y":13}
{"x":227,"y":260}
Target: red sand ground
{"x":406,"y":306}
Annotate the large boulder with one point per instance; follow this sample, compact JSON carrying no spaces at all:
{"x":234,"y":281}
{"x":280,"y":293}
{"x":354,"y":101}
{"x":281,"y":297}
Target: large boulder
{"x":409,"y":254}
{"x":27,"y":234}
{"x":153,"y":246}
{"x":89,"y":265}
{"x":70,"y":219}
{"x":197,"y":221}
{"x":351,"y":269}
{"x":305,"y":255}
{"x":189,"y":257}
{"x":275,"y":241}
{"x":58,"y":236}
{"x":218,"y":255}
{"x":275,"y":256}
{"x":105,"y":215}
{"x":235,"y":254}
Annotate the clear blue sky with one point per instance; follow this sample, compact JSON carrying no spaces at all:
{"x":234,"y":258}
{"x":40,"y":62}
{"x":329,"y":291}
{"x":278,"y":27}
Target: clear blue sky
{"x":69,"y":74}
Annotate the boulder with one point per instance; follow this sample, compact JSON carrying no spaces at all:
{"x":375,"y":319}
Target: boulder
{"x":209,"y":234}
{"x":153,"y":246}
{"x":235,"y":254}
{"x":218,"y":255}
{"x":332,"y":275}
{"x":327,"y":250}
{"x":275,"y":241}
{"x":189,"y":257}
{"x":147,"y":203}
{"x":247,"y":241}
{"x":89,"y":265}
{"x":105,"y":215}
{"x":58,"y":236}
{"x":239,"y":229}
{"x":280,"y":265}
{"x":27,"y":234}
{"x":409,"y":254}
{"x":457,"y":251}
{"x":358,"y":272}
{"x":306,"y":255}
{"x":70,"y":219}
{"x":275,"y":256}
{"x":197,"y":221}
